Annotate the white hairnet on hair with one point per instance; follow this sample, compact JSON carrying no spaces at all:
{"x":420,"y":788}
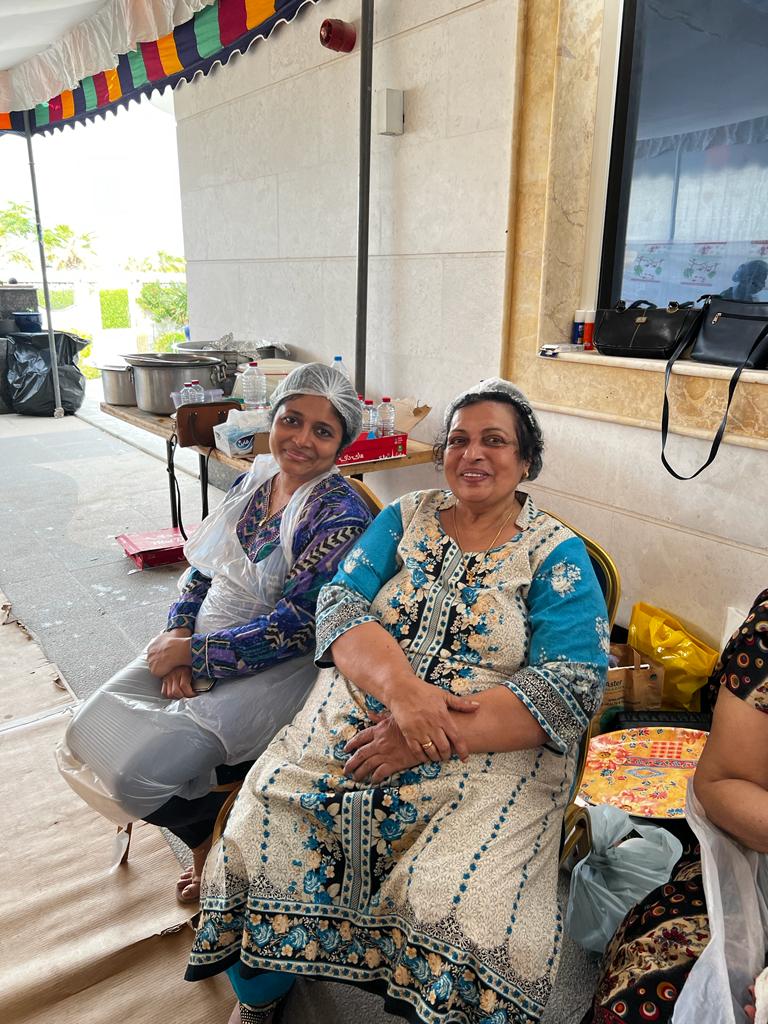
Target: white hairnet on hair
{"x":326,"y":382}
{"x":497,"y":387}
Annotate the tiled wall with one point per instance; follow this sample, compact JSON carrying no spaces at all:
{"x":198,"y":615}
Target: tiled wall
{"x":698,"y":547}
{"x":268,"y":152}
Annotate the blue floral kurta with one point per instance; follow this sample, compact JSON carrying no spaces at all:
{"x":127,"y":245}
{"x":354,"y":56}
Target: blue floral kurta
{"x":437,"y":888}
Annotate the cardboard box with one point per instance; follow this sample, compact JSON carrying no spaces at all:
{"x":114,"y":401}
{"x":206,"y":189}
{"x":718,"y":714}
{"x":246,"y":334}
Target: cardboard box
{"x":635,"y":682}
{"x":372,"y":449}
{"x":240,"y":441}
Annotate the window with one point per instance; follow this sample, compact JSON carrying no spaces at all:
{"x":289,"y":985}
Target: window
{"x":687,"y":205}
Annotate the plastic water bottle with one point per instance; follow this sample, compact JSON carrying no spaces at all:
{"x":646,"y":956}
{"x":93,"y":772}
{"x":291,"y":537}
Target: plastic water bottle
{"x":197,"y":391}
{"x":369,"y":418}
{"x":385,"y":426}
{"x":254,"y":387}
{"x":185,"y":396}
{"x":338,"y":364}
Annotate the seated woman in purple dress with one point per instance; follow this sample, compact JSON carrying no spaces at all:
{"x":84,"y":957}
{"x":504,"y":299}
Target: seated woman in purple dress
{"x":234,"y":664}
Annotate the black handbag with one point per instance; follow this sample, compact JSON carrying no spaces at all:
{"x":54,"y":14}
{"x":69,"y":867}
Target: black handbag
{"x":728,"y":331}
{"x":643,"y":330}
{"x":732,"y":333}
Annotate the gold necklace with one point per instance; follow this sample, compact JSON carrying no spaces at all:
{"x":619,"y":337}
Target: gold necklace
{"x":507,"y":517}
{"x":269,"y":515}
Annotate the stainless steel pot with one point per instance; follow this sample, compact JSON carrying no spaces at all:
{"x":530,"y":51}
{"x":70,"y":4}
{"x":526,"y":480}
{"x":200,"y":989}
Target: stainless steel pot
{"x":117,"y":382}
{"x":156,"y":375}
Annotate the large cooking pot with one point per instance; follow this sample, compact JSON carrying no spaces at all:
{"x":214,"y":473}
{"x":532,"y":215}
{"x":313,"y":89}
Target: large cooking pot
{"x":157,"y":374}
{"x":117,"y":382}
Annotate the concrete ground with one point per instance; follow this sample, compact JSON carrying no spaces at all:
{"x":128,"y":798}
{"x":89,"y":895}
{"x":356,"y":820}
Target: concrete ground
{"x":68,"y":488}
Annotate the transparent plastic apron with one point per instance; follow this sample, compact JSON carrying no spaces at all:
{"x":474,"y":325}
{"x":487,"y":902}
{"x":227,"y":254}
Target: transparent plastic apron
{"x":736,"y":890}
{"x":129,"y":714}
{"x":244,"y":715}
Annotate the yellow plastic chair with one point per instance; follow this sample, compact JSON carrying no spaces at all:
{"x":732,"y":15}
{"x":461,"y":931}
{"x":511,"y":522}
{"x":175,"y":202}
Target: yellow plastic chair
{"x":577,"y":832}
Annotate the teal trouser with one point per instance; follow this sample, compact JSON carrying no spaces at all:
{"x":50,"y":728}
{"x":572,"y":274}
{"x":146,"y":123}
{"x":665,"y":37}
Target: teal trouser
{"x":264,"y":988}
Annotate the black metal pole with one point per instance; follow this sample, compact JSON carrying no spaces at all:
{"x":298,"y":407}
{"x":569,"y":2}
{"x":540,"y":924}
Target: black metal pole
{"x":58,"y":411}
{"x":363,"y":203}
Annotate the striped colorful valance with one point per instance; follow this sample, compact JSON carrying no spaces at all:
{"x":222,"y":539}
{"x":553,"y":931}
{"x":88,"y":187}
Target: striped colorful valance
{"x":211,"y":36}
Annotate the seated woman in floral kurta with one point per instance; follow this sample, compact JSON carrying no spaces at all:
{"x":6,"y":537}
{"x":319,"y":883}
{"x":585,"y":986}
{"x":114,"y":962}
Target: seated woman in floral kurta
{"x":402,"y":833}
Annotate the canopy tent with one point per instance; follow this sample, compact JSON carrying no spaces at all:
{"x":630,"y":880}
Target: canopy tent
{"x":58,"y":71}
{"x":202,"y":33}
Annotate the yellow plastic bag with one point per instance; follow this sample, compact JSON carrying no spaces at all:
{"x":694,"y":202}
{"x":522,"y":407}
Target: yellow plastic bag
{"x":688,"y":662}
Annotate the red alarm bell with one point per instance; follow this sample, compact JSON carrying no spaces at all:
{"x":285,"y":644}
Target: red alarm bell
{"x":338,"y":35}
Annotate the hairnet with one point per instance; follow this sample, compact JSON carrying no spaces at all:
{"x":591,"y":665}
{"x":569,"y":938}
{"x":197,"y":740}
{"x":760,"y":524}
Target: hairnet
{"x":326,"y":382}
{"x":495,"y":388}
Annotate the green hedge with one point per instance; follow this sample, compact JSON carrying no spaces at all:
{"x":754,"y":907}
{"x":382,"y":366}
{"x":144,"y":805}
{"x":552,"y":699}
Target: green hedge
{"x":115,"y":311}
{"x":61,"y":298}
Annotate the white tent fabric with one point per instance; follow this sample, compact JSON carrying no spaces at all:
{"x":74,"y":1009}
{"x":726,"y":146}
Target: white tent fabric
{"x":71,"y":39}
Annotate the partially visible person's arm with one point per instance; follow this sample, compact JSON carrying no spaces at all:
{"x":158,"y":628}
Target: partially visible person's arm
{"x":182,"y":613}
{"x":731,"y":779}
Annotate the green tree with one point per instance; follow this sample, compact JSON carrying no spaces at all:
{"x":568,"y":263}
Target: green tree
{"x":164,"y":304}
{"x":65,"y":249}
{"x":17,"y":230}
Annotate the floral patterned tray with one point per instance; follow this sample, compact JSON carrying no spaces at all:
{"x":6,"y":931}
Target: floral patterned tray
{"x":642,"y":771}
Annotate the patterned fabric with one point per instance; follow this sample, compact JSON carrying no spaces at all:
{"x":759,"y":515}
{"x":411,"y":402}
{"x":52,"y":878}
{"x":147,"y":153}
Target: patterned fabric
{"x":655,"y":948}
{"x":743,"y":665}
{"x":661,"y":938}
{"x":333,"y":518}
{"x":437,"y":888}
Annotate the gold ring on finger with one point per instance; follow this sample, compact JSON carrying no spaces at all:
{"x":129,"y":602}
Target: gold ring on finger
{"x":426,"y":746}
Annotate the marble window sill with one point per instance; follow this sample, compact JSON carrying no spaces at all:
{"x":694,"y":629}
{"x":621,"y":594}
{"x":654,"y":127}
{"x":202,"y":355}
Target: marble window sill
{"x":754,"y":438}
{"x":685,"y":367}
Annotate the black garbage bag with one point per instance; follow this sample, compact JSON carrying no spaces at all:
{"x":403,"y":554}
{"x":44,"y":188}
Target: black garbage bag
{"x":30,"y":379}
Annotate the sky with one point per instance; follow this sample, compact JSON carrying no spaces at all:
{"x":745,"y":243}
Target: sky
{"x":116,"y":177}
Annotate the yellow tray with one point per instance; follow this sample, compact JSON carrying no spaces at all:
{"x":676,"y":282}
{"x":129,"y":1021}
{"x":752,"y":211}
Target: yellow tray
{"x":642,"y":771}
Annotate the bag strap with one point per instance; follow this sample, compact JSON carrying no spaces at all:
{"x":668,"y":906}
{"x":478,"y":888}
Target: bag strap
{"x":721,"y":429}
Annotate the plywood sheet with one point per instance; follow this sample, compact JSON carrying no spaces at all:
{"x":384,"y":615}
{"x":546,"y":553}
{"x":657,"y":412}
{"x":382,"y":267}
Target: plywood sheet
{"x":29,"y":683}
{"x":67,"y":920}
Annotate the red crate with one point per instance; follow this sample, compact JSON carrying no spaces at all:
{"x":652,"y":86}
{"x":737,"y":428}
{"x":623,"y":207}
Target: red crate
{"x":157,"y":547}
{"x":373,"y":449}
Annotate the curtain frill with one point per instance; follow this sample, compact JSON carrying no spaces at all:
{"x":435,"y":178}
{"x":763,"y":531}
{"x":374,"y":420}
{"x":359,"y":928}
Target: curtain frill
{"x":91,"y":47}
{"x":738,"y":133}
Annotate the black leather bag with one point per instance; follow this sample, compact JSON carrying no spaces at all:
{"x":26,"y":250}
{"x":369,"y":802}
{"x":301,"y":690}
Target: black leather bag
{"x":643,"y":330}
{"x":732,"y":333}
{"x":728,"y":332}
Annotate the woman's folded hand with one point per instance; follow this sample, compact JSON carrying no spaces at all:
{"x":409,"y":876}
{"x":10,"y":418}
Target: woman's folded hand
{"x":379,"y":751}
{"x":178,"y":683}
{"x":167,"y":652}
{"x":421,"y":711}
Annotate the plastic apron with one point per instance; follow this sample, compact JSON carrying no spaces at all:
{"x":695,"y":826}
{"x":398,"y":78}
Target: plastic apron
{"x":736,"y":889}
{"x":245,"y":715}
{"x":230,"y":723}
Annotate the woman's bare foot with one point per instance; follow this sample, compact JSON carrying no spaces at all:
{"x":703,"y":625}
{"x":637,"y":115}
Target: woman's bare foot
{"x":188,"y":885}
{"x":234,"y":1017}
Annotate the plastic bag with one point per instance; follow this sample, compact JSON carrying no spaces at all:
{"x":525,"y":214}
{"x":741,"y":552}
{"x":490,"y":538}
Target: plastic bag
{"x":241,"y":589}
{"x":615,"y":875}
{"x":687,"y":661}
{"x":29,"y":376}
{"x":736,"y":890}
